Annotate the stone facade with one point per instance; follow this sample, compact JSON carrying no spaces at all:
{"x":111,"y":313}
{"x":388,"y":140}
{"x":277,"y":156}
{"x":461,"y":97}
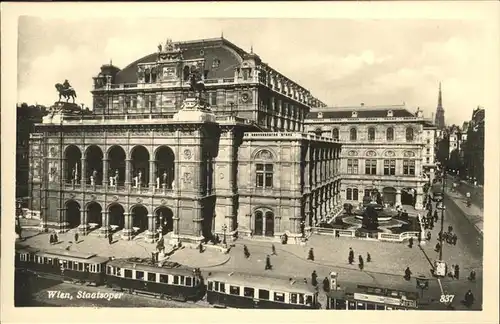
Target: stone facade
{"x":382,"y":148}
{"x":156,"y":155}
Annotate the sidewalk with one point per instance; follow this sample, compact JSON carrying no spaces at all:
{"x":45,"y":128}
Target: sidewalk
{"x":121,"y":248}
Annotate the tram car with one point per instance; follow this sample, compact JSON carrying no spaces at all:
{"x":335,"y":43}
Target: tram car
{"x":241,"y":290}
{"x":372,"y":298}
{"x":63,"y":265}
{"x":171,"y":280}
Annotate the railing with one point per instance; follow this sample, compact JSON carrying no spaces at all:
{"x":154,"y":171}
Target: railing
{"x":389,"y":237}
{"x":294,"y":135}
{"x":118,"y":189}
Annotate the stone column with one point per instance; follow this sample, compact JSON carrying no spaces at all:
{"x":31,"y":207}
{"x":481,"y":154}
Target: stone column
{"x":127,"y":231}
{"x":105,"y":176}
{"x":307,"y":168}
{"x":64,"y":174}
{"x":249,"y":221}
{"x":398,"y":197}
{"x":419,"y":203}
{"x":83,"y":174}
{"x":128,"y":177}
{"x":152,"y":175}
{"x":84,"y":226}
{"x":104,"y":230}
{"x":151,"y":233}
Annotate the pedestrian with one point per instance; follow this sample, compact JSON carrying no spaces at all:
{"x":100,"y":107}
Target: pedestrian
{"x":200,"y":247}
{"x":76,"y":237}
{"x":51,"y":239}
{"x":361,"y":263}
{"x":451,"y":272}
{"x":440,"y":235}
{"x":410,"y":243}
{"x":153,"y":257}
{"x":310,"y":255}
{"x":457,"y":272}
{"x":351,"y":256}
{"x":454,"y":239}
{"x":268,"y":263}
{"x":314,"y":278}
{"x":273,"y":248}
{"x":435,"y":216}
{"x":472,"y":275}
{"x":245,"y":251}
{"x":368,"y":257}
{"x":326,"y":284}
{"x":110,"y":238}
{"x":438,"y":247}
{"x":407,"y":274}
{"x":450,"y":229}
{"x":56,"y":239}
{"x":432,"y":224}
{"x":469,"y":299}
{"x":428,"y":235}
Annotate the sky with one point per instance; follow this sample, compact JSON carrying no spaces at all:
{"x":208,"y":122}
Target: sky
{"x":343,"y":62}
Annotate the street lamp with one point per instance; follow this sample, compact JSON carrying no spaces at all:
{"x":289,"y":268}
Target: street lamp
{"x":224,"y":229}
{"x":302,"y":228}
{"x":442,"y":217}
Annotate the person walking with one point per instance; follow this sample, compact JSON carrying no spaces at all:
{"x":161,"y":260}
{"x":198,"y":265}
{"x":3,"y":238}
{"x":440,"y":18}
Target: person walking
{"x":438,"y":247}
{"x":268,"y":263}
{"x":457,"y":272}
{"x":310,"y":255}
{"x":368,"y":257}
{"x":361,"y":263}
{"x":351,"y":256}
{"x":273,"y":249}
{"x":407,"y":274}
{"x":110,"y":238}
{"x":454,"y":239}
{"x":56,"y":239}
{"x":326,"y":285}
{"x":51,"y":239}
{"x":410,"y":242}
{"x":76,"y":237}
{"x":314,"y":278}
{"x":200,"y":247}
{"x":246,"y":252}
{"x":435,"y":216}
{"x":469,"y":298}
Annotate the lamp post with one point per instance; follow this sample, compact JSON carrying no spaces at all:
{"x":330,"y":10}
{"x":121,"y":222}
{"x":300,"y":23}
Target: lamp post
{"x":442,"y":217}
{"x":302,"y":228}
{"x":224,"y":229}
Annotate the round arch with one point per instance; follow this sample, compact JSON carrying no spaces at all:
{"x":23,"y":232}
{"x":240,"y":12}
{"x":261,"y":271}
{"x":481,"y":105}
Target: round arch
{"x":72,"y":213}
{"x":94,"y":216}
{"x":263,"y":221}
{"x":93,"y":164}
{"x":165,"y":165}
{"x":139,"y":156}
{"x":73,"y":157}
{"x":408,"y":196}
{"x":116,"y":163}
{"x":389,"y":195}
{"x":139,"y":217}
{"x":165,"y":219}
{"x":263,"y":154}
{"x":116,"y":214}
{"x":353,"y":134}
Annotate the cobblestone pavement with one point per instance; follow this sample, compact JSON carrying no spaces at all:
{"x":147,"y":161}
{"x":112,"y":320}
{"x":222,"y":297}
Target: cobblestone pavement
{"x":477,"y":192}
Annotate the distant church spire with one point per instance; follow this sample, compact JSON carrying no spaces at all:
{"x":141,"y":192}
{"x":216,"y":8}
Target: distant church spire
{"x":439,"y":121}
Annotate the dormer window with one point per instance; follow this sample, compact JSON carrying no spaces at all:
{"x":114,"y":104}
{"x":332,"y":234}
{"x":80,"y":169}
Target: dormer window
{"x":320,"y":115}
{"x":389,"y":113}
{"x":354,"y":114}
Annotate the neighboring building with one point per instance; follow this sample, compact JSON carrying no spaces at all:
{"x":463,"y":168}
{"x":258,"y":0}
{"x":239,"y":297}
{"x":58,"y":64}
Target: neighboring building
{"x":382,"y":148}
{"x":26,"y":118}
{"x":473,"y":147}
{"x":429,"y":150}
{"x":153,"y":157}
{"x":454,"y":135}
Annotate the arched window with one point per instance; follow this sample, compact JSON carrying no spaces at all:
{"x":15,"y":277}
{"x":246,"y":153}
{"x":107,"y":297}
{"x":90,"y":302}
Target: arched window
{"x":348,"y":194}
{"x":371,"y":134}
{"x":355,"y":194}
{"x":353,"y":134}
{"x":409,"y":134}
{"x":335,"y":133}
{"x":390,"y":134}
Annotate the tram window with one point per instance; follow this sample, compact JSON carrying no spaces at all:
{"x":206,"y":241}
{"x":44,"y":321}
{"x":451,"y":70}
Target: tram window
{"x":75,"y":266}
{"x":340,"y":304}
{"x":309,"y":300}
{"x":110,"y":270}
{"x":222,"y":287}
{"x":351,"y":305}
{"x":151,"y":276}
{"x":189,"y":282}
{"x":163,"y":278}
{"x":97,"y":268}
{"x":248,"y":292}
{"x":45,"y":260}
{"x":234,"y":290}
{"x":280,"y":297}
{"x":182,"y":280}
{"x":361,"y":306}
{"x":293,"y":298}
{"x":70,"y":265}
{"x":370,"y":306}
{"x":210,"y":286}
{"x":118,"y":272}
{"x":301,"y":298}
{"x":380,"y":307}
{"x":128,"y":273}
{"x":263,"y":294}
{"x":176,"y":280}
{"x":139,"y":275}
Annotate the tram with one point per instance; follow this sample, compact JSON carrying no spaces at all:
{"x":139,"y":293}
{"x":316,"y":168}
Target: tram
{"x":240,"y":290}
{"x":63,"y":265}
{"x":372,"y":298}
{"x":172,"y":280}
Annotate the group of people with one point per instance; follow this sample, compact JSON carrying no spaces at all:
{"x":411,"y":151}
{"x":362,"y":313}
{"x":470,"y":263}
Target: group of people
{"x":361,"y":262}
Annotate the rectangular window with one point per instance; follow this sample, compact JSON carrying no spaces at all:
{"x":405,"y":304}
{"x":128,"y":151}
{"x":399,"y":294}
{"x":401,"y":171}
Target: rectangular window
{"x":352,"y":166}
{"x":189,"y":282}
{"x":216,"y":286}
{"x":309,"y":300}
{"x":128,"y":273}
{"x":293,"y":298}
{"x":264,"y":175}
{"x":408,"y":167}
{"x":355,"y":194}
{"x":279,"y":297}
{"x":248,"y":292}
{"x":70,"y":265}
{"x":389,"y":167}
{"x":151,"y":276}
{"x":176,"y":280}
{"x":367,"y":192}
{"x":234,"y":290}
{"x":263,"y":294}
{"x":210,"y":286}
{"x":222,"y":287}
{"x":182,"y":280}
{"x":301,"y":298}
{"x":213,"y":98}
{"x":371,"y":166}
{"x":348,"y":194}
{"x":139,"y":275}
{"x":163,"y":278}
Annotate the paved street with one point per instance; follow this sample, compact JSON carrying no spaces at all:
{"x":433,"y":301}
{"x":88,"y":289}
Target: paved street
{"x":477,"y":192}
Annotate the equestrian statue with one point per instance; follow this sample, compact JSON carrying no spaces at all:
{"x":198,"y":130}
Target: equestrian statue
{"x":66,"y":90}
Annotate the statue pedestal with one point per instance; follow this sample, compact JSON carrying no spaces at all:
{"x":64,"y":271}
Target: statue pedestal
{"x":194,"y":110}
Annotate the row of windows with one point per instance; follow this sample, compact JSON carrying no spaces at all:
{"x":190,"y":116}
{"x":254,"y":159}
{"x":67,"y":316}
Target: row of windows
{"x":64,"y":264}
{"x":152,"y":276}
{"x":389,"y":134}
{"x":343,"y":304}
{"x":263,"y":294}
{"x":389,"y":167}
